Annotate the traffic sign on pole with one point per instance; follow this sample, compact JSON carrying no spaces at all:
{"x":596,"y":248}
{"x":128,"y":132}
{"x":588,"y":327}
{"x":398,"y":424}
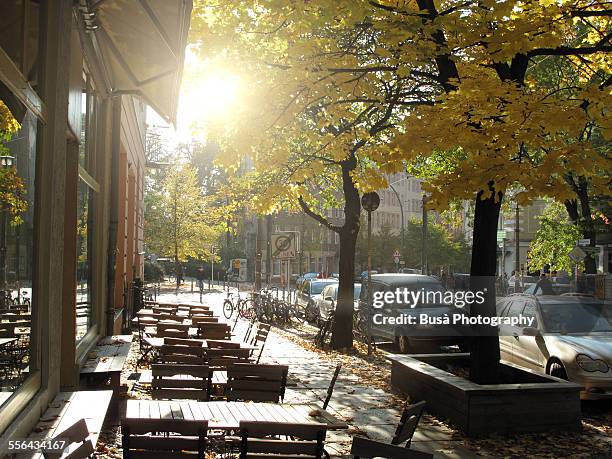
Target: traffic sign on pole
{"x":284,"y":245}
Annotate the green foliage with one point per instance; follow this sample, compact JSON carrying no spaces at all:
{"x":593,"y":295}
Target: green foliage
{"x":178,"y":224}
{"x":554,"y":239}
{"x":444,"y":249}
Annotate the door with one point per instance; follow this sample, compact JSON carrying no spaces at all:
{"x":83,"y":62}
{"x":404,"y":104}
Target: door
{"x":508,"y":333}
{"x":528,"y":350}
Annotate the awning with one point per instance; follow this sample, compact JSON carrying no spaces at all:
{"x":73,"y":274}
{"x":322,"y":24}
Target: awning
{"x":142,"y":44}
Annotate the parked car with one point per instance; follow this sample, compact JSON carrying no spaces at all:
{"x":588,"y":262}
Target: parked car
{"x":308,"y":294}
{"x":304,"y":277}
{"x":410,"y":338}
{"x":363,"y":277}
{"x":409,"y":271}
{"x":571,"y":339}
{"x":558,"y":289}
{"x":326,"y":302}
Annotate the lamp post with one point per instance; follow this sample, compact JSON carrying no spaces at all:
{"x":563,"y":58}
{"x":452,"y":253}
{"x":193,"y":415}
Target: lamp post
{"x":401,"y":214}
{"x":370,"y":202}
{"x":517,"y":245}
{"x":424,"y":237}
{"x":212,"y":267}
{"x":6,"y":162}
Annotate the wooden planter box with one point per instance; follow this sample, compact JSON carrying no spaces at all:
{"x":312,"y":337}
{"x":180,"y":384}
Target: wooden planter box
{"x":528,"y":402}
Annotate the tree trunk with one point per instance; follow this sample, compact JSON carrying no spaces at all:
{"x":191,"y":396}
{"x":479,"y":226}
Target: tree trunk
{"x":177,"y":267}
{"x":342,"y":332}
{"x":484,"y":360}
{"x":579,"y":211}
{"x":588,"y":228}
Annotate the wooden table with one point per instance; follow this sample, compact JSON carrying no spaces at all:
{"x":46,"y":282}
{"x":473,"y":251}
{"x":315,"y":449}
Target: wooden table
{"x":159,"y":342}
{"x":227,"y":415}
{"x":191,"y":333}
{"x":109,"y":357}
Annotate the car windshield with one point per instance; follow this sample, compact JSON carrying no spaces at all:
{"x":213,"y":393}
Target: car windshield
{"x":577,"y":317}
{"x":317,"y":287}
{"x":357,"y":291}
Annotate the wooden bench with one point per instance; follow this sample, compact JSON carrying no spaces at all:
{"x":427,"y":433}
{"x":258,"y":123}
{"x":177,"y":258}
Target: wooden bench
{"x":108,"y":357}
{"x":67,"y":409}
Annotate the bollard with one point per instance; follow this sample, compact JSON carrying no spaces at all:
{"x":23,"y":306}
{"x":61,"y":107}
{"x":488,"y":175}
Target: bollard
{"x":191,"y":285}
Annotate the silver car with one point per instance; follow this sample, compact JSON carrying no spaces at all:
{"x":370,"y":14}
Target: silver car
{"x":571,"y":338}
{"x":326,"y":301}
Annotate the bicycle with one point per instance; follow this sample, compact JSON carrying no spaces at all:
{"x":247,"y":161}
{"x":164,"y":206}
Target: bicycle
{"x":326,"y":327}
{"x":229,"y":304}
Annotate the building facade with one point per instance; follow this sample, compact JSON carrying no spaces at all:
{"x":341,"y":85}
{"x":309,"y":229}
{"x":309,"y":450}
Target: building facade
{"x":77,"y":78}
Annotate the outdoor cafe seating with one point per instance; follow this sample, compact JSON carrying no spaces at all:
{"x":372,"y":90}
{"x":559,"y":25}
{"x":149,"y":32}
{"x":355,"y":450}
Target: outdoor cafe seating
{"x":209,"y":389}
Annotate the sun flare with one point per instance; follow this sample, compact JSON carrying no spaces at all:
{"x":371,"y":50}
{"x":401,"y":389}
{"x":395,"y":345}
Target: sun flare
{"x":211,"y":97}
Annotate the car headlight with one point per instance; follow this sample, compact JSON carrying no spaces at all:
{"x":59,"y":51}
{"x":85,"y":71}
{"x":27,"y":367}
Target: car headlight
{"x":591,"y":365}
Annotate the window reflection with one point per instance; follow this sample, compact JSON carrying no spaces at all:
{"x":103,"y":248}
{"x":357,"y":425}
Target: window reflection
{"x":16,"y":255}
{"x":83,"y":271}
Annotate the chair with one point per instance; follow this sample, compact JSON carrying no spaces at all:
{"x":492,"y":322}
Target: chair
{"x":256,"y":382}
{"x":171,"y":381}
{"x":190,"y":355}
{"x":224,"y":357}
{"x":223,"y":344}
{"x":76,"y":433}
{"x":366,"y":448}
{"x":260,"y":338}
{"x":199,"y":319}
{"x":144,"y":348}
{"x":165,"y":330}
{"x":260,"y":439}
{"x":330,"y":389}
{"x":147,"y":438}
{"x":218,"y":331}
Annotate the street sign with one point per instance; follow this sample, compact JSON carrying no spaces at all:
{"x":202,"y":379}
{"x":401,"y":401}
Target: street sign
{"x":577,"y":254}
{"x":501,"y":235}
{"x":396,"y":256}
{"x":370,"y":201}
{"x":283,"y":245}
{"x":584,"y":242}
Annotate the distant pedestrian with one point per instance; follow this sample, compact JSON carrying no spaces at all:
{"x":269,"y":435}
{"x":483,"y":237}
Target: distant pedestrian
{"x":545,"y":285}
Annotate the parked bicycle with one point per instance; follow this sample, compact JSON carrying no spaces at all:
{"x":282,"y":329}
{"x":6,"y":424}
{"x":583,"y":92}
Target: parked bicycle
{"x":232,"y":303}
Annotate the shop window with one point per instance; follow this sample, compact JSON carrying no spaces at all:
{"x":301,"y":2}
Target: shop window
{"x":87,"y":187}
{"x":17,"y":170}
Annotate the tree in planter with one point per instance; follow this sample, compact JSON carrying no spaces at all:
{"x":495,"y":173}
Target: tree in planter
{"x":494,"y":125}
{"x":177,"y":224}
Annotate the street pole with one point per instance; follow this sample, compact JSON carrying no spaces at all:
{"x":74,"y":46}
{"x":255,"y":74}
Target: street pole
{"x":517,"y":255}
{"x":268,"y":249}
{"x":212,"y":266}
{"x":369,"y":282}
{"x":3,"y":258}
{"x":258,"y":254}
{"x":401,"y":206}
{"x":424,"y":238}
